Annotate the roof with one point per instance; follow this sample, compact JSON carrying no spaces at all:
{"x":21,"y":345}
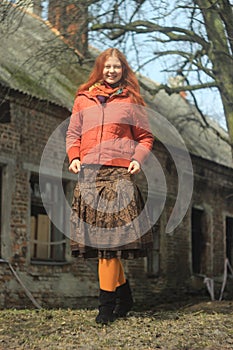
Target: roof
{"x":27,"y":65}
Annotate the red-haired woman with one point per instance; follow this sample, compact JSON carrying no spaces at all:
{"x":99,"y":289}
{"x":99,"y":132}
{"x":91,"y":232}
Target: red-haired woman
{"x":107,"y":141}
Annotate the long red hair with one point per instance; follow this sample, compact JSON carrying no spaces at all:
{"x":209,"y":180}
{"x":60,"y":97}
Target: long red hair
{"x":128,"y":79}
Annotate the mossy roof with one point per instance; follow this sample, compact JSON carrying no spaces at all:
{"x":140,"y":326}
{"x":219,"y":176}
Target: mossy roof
{"x":35,"y":60}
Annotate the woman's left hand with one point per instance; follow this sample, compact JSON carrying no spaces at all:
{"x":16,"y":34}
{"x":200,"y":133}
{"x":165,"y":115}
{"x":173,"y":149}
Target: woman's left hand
{"x":134,"y":167}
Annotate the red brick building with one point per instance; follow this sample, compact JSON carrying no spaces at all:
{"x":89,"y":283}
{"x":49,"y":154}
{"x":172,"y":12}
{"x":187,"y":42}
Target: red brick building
{"x":37,"y":88}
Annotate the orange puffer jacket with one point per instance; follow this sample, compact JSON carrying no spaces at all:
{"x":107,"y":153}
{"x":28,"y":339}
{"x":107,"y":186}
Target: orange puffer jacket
{"x":113,"y":133}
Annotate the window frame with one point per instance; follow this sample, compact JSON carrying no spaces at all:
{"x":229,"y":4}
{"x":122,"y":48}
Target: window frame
{"x":44,"y":219}
{"x":70,"y":180}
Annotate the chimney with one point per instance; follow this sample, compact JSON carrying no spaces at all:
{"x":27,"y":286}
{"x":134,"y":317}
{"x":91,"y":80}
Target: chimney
{"x":70,"y":18}
{"x":178,"y":81}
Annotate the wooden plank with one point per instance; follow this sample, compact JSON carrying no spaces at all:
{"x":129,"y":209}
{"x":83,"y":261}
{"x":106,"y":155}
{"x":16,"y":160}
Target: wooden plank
{"x":32,"y":236}
{"x":43,"y":236}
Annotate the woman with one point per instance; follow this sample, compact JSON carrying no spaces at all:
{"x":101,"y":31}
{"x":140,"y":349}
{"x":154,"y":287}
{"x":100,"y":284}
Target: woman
{"x":107,"y":141}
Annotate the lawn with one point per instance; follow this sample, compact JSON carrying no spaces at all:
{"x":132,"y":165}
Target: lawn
{"x":202,"y":325}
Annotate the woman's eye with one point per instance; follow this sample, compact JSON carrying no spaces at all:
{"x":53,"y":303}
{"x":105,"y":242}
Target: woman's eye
{"x":114,"y":67}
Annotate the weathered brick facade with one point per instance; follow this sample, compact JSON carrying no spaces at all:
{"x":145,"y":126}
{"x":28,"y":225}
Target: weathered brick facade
{"x":22,"y":142}
{"x":74,"y":282}
{"x":38,"y":253}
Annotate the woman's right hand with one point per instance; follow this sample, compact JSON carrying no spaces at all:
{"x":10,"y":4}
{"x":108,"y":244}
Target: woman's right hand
{"x":75,"y":166}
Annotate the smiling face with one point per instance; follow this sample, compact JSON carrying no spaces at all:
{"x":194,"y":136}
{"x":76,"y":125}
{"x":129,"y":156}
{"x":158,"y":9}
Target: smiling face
{"x":112,"y":72}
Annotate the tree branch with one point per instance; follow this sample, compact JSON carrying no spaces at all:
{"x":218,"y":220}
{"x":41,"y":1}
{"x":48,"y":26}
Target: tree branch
{"x":191,"y":58}
{"x":141,"y":27}
{"x":171,"y":90}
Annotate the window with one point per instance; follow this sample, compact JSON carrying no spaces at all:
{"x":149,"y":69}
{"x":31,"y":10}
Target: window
{"x":47,"y":242}
{"x":229,"y":239}
{"x":5,"y":115}
{"x":153,"y":255}
{"x":0,"y":211}
{"x":197,"y":240}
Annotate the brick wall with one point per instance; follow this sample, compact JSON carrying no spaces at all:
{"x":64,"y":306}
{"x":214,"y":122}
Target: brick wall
{"x":74,"y":283}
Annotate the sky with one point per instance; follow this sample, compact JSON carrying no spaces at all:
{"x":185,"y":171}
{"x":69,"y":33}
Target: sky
{"x":208,"y":100}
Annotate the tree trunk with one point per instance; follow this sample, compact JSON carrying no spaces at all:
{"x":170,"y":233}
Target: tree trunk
{"x":220,"y":54}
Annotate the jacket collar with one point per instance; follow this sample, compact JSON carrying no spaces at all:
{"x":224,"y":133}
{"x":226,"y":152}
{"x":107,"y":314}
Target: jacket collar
{"x":103,"y":89}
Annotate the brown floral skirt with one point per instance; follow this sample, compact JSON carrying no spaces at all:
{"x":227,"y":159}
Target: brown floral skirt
{"x":108,"y":218}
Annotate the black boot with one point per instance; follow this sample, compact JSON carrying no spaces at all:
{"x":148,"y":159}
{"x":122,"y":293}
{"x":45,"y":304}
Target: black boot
{"x":124,"y":300}
{"x":107,"y":305}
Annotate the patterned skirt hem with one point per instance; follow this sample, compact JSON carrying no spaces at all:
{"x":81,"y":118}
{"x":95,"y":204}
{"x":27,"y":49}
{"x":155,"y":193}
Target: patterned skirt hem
{"x":129,"y":254}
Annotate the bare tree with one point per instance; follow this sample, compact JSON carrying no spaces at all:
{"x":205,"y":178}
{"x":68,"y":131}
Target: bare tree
{"x":197,"y":36}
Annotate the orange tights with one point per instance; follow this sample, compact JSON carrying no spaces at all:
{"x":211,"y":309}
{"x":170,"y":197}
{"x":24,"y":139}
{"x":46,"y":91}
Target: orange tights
{"x":111,"y":274}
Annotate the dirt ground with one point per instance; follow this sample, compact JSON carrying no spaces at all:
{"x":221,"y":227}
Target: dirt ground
{"x":200,"y":325}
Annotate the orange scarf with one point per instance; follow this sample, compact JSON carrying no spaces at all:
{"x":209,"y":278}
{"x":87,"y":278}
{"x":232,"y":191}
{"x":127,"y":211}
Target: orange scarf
{"x":102,"y":89}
